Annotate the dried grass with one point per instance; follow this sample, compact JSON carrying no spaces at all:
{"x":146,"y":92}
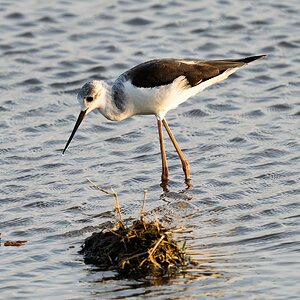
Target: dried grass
{"x":140,"y":250}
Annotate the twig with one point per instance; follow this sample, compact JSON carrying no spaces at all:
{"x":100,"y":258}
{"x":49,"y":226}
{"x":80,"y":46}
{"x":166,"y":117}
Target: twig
{"x":156,"y":223}
{"x":143,"y":205}
{"x":117,"y":207}
{"x":98,"y":188}
{"x":117,"y":204}
{"x":135,"y":255}
{"x":114,"y":232}
{"x":156,"y":245}
{"x":152,"y":251}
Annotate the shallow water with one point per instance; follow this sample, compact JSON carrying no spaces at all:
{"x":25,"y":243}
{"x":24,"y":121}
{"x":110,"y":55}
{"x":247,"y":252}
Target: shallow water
{"x":241,"y":137}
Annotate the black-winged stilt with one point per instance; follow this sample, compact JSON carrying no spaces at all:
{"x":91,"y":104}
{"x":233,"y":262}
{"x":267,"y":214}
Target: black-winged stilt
{"x":153,"y":88}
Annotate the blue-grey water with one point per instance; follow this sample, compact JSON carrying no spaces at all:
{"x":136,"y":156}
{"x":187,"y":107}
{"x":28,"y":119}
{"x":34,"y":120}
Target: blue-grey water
{"x":241,"y":218}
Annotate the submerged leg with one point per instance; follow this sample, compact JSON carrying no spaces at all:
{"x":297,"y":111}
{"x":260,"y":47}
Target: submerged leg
{"x":184,"y":161}
{"x":165,"y":171}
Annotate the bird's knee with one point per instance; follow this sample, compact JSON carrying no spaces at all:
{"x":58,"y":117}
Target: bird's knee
{"x":185,"y":164}
{"x":186,"y":169}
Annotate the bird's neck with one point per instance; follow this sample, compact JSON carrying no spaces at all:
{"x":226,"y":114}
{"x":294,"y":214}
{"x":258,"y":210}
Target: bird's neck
{"x":109,"y":108}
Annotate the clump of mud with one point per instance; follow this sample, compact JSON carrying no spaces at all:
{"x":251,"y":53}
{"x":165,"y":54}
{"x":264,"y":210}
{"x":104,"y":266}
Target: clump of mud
{"x":146,"y":248}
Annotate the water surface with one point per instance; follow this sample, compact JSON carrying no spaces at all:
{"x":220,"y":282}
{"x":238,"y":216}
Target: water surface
{"x":241,"y":138}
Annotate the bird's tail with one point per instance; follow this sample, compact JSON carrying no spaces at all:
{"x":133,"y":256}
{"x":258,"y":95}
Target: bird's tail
{"x":249,"y":59}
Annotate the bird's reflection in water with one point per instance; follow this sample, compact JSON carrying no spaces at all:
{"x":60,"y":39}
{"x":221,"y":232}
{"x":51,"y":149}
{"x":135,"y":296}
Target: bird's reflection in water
{"x":165,"y":185}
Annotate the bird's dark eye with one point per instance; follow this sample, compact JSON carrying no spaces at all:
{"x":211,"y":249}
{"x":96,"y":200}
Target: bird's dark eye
{"x":89,"y":99}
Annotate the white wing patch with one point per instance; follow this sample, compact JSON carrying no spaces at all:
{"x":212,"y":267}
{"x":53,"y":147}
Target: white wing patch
{"x":216,"y":79}
{"x":189,"y":62}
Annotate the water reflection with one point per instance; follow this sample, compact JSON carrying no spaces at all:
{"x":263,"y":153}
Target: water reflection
{"x":165,"y":185}
{"x":201,"y":273}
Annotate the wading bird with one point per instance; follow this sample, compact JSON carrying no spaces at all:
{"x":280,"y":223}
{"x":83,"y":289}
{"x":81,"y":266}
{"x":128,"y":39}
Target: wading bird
{"x":153,"y":88}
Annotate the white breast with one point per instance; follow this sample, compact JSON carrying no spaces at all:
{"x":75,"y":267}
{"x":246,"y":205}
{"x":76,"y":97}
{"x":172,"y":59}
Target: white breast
{"x":157,"y":100}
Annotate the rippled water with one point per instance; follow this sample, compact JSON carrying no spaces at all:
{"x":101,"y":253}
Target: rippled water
{"x":241,"y":137}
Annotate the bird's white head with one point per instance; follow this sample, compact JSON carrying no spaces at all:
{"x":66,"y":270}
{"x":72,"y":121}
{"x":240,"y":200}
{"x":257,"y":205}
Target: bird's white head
{"x":91,"y":96}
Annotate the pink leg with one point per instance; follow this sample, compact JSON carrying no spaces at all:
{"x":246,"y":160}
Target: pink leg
{"x":165,"y":171}
{"x":184,"y":161}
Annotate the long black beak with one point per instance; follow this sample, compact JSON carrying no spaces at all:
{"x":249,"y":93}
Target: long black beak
{"x":79,"y":120}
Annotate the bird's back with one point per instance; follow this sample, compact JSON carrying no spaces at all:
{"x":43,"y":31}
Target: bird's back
{"x":159,"y":72}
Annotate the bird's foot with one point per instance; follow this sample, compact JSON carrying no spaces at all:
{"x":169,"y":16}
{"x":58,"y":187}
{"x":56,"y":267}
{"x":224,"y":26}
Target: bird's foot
{"x":188,"y":183}
{"x":164,"y":185}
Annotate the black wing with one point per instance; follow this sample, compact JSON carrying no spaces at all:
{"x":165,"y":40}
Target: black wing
{"x":164,"y":71}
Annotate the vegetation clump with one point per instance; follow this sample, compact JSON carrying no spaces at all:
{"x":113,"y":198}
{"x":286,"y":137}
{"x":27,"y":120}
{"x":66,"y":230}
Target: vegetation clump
{"x":140,"y":250}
